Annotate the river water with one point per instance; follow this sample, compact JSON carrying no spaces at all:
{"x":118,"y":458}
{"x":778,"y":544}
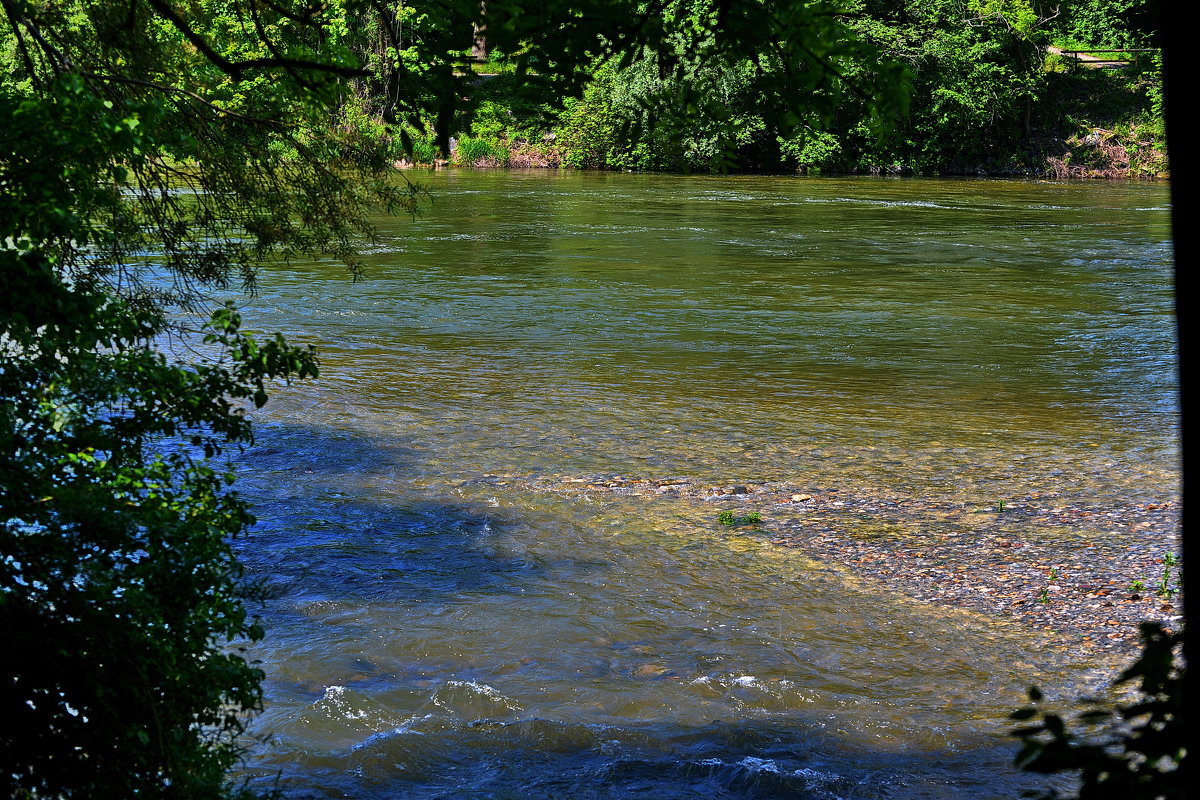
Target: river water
{"x":442,"y":623}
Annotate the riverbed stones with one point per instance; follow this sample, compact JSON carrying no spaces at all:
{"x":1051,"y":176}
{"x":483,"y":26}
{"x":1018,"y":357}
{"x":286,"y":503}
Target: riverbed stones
{"x":1047,"y":560}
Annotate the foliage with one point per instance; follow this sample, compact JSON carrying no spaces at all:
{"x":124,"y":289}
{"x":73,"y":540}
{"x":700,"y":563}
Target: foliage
{"x":1108,"y":24}
{"x":984,"y":97}
{"x":211,"y":166}
{"x":974,"y":80}
{"x":1140,"y":755}
{"x":145,"y":158}
{"x":592,"y":132}
{"x":118,"y":588}
{"x":695,"y":104}
{"x":690,"y":84}
{"x":727,"y":517}
{"x":118,"y":585}
{"x":418,"y":76}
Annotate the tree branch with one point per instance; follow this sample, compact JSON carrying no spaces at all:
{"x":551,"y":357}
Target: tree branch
{"x":167,"y":89}
{"x":58,"y":62}
{"x":14,"y":23}
{"x":235,"y":69}
{"x":265,"y":39}
{"x":305,"y":17}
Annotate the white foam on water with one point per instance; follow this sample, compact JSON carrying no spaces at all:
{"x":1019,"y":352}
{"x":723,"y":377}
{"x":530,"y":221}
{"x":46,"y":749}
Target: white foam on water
{"x":478,"y":688}
{"x":823,"y":781}
{"x":335,"y":699}
{"x":402,"y":729}
{"x":759,"y":765}
{"x":481,"y":690}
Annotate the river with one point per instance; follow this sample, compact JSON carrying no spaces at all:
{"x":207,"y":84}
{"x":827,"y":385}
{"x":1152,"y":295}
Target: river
{"x":443,"y":623}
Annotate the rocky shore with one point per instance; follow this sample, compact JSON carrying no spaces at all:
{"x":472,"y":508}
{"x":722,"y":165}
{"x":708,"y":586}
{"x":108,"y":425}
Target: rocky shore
{"x":1087,"y":573}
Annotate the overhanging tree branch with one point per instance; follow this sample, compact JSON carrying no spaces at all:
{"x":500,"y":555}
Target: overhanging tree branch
{"x":237,"y":69}
{"x":167,"y":89}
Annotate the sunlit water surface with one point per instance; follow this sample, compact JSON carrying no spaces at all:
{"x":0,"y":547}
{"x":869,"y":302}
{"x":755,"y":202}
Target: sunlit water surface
{"x":437,"y":628}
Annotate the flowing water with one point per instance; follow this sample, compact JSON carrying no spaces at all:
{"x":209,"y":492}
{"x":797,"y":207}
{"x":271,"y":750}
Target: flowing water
{"x":441,"y":624}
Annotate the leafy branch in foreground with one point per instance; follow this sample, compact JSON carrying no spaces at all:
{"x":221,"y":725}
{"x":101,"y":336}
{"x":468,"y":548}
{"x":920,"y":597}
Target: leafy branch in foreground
{"x":1140,"y":751}
{"x":119,"y":590}
{"x":132,"y":180}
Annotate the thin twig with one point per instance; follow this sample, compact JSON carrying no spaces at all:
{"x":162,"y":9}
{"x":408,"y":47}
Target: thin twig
{"x":168,"y":89}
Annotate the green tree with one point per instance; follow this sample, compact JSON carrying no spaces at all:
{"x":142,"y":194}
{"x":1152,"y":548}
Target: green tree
{"x":145,"y":159}
{"x":977,"y":75}
{"x":119,"y":593}
{"x":118,"y":588}
{"x":977,"y":78}
{"x":1110,"y":23}
{"x":695,"y":102}
{"x":1027,"y":31}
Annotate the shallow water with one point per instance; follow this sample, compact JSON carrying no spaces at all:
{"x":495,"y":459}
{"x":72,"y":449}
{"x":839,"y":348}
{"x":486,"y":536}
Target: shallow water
{"x":439,"y":628}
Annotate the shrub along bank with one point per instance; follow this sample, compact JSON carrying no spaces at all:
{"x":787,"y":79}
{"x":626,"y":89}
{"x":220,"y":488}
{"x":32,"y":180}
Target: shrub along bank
{"x":988,"y":95}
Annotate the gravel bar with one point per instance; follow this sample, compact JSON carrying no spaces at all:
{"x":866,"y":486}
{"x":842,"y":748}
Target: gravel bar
{"x":1088,"y":573}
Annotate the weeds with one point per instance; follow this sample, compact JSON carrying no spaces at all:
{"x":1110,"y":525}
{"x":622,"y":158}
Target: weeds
{"x":473,"y":150}
{"x":731,"y":519}
{"x":1164,"y":587}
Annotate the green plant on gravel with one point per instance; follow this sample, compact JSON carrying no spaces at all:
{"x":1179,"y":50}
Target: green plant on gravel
{"x":729,"y":518}
{"x":1137,"y":586}
{"x":1044,"y":597}
{"x":1000,"y":507}
{"x":1164,"y":587}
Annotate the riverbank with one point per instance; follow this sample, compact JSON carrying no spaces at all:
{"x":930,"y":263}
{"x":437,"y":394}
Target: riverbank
{"x":1105,"y":150}
{"x":1085,"y":573}
{"x":1084,"y":124}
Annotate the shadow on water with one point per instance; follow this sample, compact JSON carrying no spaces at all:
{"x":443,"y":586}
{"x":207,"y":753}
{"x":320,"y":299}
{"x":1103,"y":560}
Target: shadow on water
{"x":537,"y":759}
{"x":395,"y":608}
{"x":327,"y":502}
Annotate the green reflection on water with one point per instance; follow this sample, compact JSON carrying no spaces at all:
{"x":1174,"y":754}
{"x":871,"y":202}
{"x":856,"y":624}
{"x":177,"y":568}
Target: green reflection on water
{"x":724,"y":327}
{"x":949,"y":341}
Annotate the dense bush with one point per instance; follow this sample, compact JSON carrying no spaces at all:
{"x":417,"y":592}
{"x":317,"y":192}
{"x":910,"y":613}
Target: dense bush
{"x":983,"y":98}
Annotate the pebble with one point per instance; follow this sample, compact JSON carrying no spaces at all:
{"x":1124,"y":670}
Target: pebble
{"x":965,"y":555}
